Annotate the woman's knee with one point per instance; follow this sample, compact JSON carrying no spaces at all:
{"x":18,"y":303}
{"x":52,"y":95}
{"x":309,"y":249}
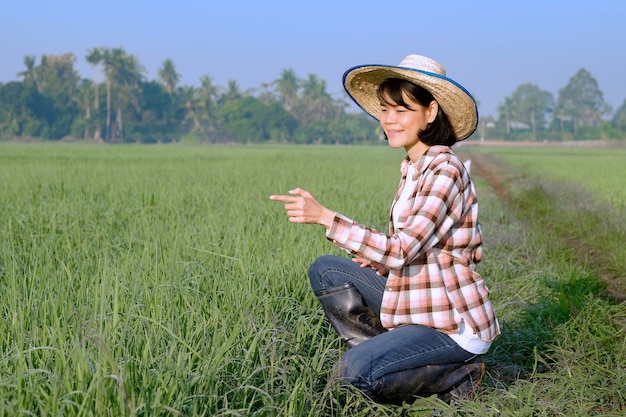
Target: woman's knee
{"x":352,"y":373}
{"x":319,"y":267}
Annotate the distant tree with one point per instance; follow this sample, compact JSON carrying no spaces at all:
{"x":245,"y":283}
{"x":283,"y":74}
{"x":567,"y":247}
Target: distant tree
{"x":531,"y":105}
{"x":208,"y":94}
{"x":81,"y":127}
{"x":28,"y":112}
{"x":168,"y":75}
{"x":315,"y":103}
{"x":191,"y":107}
{"x":13,"y":109}
{"x":232,"y":92}
{"x":57,"y":74}
{"x":506,"y":110}
{"x":107,"y":60}
{"x":52,"y":101}
{"x":55,"y":104}
{"x":581,"y":101}
{"x":357,"y":128}
{"x":129,"y":79}
{"x":208,"y":91}
{"x":249,"y":120}
{"x":619,"y":119}
{"x":155,"y":121}
{"x":348,"y":129}
{"x":124,"y":73}
{"x":287,"y":88}
{"x":30,"y":73}
{"x":95,"y":57}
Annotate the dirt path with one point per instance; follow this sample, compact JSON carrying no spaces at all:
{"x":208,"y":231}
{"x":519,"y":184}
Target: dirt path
{"x":496,"y":174}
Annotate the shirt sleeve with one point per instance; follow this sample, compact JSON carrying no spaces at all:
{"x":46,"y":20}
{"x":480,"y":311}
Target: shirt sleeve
{"x":433,"y":209}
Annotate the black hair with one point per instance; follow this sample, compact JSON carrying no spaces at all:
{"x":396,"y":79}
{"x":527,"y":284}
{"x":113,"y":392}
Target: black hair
{"x":440,"y":131}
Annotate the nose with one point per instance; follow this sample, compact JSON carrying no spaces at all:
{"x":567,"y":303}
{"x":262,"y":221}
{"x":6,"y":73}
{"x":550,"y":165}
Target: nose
{"x":387,"y":117}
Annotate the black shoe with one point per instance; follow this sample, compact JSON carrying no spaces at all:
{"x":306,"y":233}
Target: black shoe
{"x":447,"y":381}
{"x":465,"y":388}
{"x":347,"y":312}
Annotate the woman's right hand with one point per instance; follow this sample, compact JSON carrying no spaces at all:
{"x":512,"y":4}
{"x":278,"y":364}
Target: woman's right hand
{"x":366,"y":263}
{"x":302,"y":207}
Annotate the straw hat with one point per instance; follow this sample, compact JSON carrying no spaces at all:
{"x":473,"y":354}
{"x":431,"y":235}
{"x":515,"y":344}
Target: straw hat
{"x":361,"y":83}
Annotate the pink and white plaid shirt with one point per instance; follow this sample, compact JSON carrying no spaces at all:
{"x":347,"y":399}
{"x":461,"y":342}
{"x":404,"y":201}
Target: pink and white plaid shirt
{"x":431,"y":251}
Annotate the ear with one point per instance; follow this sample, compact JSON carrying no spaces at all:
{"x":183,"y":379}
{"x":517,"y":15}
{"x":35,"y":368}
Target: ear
{"x":433,"y":108}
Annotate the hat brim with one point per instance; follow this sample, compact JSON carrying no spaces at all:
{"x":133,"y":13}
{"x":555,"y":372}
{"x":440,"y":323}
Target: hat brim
{"x":361,"y":84}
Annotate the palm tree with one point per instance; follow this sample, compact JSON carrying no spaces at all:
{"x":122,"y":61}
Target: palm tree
{"x":232,"y":92}
{"x":533,"y":104}
{"x":168,"y":75}
{"x":316,"y":103}
{"x":123,"y":72}
{"x":83,"y":99}
{"x":30,"y":74}
{"x":129,"y":76}
{"x":287,"y":87}
{"x":95,"y":56}
{"x":108,"y":59}
{"x":190,"y":104}
{"x":208,"y":94}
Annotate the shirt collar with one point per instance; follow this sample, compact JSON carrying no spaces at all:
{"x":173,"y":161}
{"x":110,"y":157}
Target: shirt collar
{"x":423,"y":162}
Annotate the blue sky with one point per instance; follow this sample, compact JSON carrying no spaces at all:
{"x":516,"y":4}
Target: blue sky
{"x":490,"y":47}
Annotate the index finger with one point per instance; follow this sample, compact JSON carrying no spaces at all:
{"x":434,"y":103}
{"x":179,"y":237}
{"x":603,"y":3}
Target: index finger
{"x":284,"y":198}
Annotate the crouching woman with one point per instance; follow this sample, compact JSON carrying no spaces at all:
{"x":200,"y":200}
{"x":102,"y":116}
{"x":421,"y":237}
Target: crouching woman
{"x":410,"y":304}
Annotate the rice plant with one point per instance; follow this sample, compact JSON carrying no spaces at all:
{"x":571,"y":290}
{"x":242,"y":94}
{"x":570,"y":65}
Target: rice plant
{"x":162,"y":281}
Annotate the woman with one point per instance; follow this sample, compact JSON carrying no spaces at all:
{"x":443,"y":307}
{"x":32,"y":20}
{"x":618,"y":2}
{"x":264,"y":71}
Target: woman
{"x":420,"y":278}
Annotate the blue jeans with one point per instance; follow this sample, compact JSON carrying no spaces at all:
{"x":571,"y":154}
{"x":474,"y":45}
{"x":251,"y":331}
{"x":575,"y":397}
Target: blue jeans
{"x":404,"y":348}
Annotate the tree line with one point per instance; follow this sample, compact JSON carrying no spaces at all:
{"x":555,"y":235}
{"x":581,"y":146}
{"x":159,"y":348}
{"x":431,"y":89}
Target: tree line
{"x":578,"y":112}
{"x":118,"y":104}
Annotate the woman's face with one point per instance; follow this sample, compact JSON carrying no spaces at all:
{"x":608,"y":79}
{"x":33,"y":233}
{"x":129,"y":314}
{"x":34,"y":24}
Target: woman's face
{"x":403,"y":124}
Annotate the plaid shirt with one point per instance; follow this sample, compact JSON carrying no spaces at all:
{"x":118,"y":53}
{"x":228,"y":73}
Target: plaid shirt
{"x":431,"y":251}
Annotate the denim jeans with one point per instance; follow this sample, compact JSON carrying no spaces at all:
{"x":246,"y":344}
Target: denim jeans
{"x":404,"y":348}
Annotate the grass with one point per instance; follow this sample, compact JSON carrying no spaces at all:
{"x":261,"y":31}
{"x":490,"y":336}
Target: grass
{"x":598,"y":172}
{"x":573,"y":194}
{"x":161,"y":281}
{"x":554,"y":254}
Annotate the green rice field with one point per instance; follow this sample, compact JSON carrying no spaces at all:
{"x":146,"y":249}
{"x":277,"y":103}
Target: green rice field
{"x":601,"y":171}
{"x":162,"y":281}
